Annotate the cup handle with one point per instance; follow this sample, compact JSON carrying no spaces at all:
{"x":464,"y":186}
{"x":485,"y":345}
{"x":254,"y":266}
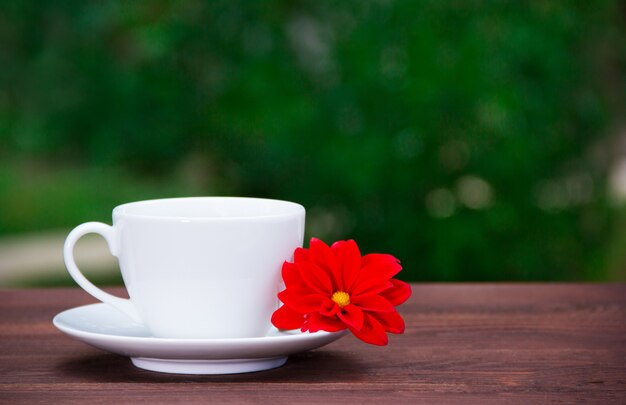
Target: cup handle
{"x":108,"y":233}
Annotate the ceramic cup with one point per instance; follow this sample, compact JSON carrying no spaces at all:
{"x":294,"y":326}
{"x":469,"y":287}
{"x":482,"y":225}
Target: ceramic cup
{"x":205,"y":267}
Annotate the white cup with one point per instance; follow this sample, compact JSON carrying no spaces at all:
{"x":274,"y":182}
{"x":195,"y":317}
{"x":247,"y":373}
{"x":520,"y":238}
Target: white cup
{"x":204,"y":267}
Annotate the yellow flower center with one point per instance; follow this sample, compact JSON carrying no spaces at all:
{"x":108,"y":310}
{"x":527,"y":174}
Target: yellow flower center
{"x":341,"y":298}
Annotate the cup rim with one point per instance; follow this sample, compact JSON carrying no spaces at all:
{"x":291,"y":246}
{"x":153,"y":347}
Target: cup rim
{"x":294,"y":209}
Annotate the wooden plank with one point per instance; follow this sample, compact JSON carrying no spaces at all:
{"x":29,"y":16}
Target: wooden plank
{"x":465,"y":343}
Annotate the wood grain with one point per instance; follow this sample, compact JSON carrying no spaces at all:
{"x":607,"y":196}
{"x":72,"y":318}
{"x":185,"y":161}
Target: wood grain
{"x":465,"y":343}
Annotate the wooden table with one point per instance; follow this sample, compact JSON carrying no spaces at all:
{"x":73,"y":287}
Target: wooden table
{"x":464,"y":344}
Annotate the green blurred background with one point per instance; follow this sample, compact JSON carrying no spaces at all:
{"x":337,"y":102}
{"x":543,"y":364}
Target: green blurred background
{"x":474,"y":140}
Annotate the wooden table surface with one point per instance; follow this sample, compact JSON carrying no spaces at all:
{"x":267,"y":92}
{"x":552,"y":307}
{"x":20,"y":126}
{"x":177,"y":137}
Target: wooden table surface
{"x":464,"y":344}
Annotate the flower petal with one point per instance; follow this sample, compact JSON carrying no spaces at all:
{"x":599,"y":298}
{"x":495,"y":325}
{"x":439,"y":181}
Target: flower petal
{"x":372,"y":332}
{"x":316,"y":277}
{"x":324,"y":257}
{"x":301,"y":255}
{"x":370,"y":286}
{"x":352,"y":316}
{"x":391,"y":321}
{"x":300,"y":301}
{"x":380,"y":265}
{"x":399,"y":293}
{"x":376,"y":270}
{"x":373,"y":303}
{"x":349,"y":263}
{"x":286,"y":318}
{"x":329,"y":307}
{"x":329,"y":324}
{"x":291,"y":276}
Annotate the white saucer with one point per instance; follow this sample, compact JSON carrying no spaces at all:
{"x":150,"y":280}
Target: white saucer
{"x":106,"y":328}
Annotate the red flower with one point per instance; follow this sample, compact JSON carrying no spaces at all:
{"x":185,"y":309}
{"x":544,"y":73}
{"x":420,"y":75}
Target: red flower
{"x":334,"y":288}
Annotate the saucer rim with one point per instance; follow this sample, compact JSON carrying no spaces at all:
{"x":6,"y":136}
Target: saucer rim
{"x":284,"y":335}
